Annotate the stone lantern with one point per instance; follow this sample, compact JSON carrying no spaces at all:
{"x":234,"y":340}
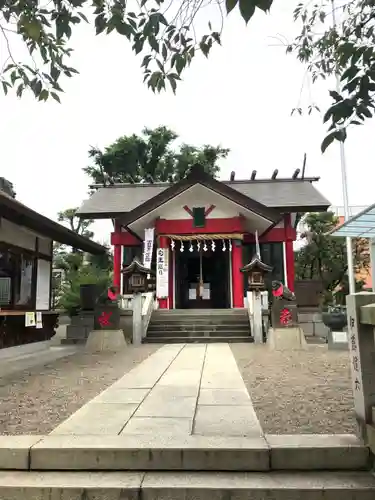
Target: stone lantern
{"x":140,"y":280}
{"x":255,"y":272}
{"x":138,"y":276}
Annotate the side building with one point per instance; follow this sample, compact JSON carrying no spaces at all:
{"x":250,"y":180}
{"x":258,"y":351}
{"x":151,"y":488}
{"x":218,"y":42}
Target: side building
{"x":26,"y":242}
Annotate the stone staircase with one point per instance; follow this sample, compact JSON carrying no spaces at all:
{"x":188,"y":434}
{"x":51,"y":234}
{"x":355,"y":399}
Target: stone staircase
{"x":198,"y":326}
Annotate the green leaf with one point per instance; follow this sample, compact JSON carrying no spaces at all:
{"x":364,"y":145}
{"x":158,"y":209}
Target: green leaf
{"x":153,"y":43}
{"x":55,"y":96}
{"x":329,"y":139}
{"x":43,"y":96}
{"x":180,"y":63}
{"x":82,"y":16}
{"x":264,"y":5}
{"x":247,"y":9}
{"x":100,"y":24}
{"x":124,"y":29}
{"x":230,"y":5}
{"x":33,"y":29}
{"x":172,"y":83}
{"x":336,"y":96}
{"x":5,"y":87}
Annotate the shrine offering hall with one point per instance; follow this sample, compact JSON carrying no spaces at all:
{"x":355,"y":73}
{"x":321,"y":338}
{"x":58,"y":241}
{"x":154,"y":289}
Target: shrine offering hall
{"x":197,"y":234}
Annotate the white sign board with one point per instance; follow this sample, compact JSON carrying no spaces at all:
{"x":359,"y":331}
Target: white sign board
{"x":355,"y":360}
{"x":148,"y":247}
{"x":43,"y":285}
{"x":162,"y":272}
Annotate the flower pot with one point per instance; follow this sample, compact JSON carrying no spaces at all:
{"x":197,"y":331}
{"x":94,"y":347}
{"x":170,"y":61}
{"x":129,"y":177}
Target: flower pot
{"x":335,"y":321}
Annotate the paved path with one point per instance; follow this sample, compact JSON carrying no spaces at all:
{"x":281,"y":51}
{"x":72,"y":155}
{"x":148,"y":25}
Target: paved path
{"x":178,"y":391}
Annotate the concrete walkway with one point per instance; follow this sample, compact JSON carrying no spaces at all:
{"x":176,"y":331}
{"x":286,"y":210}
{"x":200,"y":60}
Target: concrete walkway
{"x":181,"y":390}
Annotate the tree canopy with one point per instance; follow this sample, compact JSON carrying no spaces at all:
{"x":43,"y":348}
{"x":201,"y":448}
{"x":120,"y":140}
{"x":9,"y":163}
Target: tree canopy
{"x":169,"y":36}
{"x":324,"y":257}
{"x":163,"y":31}
{"x":151,"y":157}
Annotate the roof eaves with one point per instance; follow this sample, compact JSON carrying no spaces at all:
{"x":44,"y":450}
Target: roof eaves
{"x":39,"y":223}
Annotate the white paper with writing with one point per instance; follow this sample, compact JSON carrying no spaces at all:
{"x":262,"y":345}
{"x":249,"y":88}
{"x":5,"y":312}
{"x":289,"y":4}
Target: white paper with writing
{"x":162,"y":272}
{"x":148,"y":247}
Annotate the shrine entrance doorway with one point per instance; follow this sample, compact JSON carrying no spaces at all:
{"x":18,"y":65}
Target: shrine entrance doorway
{"x":202,"y":278}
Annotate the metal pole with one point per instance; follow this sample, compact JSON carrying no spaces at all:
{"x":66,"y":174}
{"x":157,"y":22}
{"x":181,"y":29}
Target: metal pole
{"x":344,"y":180}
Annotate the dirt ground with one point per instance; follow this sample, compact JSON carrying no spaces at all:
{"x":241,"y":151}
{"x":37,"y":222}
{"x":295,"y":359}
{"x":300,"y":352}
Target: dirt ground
{"x":298,"y":392}
{"x":37,"y":400}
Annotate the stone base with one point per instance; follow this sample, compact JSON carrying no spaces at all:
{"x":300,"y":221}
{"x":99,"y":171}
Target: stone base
{"x":284,"y":339}
{"x":106,"y":340}
{"x":338,"y":341}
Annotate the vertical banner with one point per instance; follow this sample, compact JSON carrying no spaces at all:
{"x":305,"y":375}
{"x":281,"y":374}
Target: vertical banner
{"x":162,"y":271}
{"x":148,"y":247}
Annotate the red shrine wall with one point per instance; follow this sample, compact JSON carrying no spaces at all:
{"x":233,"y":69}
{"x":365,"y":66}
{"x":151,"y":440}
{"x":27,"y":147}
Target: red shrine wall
{"x":285,"y":234}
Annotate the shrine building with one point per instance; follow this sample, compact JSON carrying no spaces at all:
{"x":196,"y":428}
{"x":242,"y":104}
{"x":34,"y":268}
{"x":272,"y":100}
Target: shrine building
{"x":200,"y":232}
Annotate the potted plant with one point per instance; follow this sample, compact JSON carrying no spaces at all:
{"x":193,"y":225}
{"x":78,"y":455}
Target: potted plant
{"x":88,"y":278}
{"x":335,"y":318}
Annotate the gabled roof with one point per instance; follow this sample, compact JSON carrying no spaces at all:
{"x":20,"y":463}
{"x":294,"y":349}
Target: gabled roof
{"x":283,"y":195}
{"x":198,"y":176}
{"x":22,"y":215}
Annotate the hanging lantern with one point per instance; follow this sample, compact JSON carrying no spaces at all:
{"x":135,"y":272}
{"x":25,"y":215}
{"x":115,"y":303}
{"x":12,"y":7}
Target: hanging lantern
{"x":172,"y":245}
{"x":224,"y":247}
{"x":182,"y":246}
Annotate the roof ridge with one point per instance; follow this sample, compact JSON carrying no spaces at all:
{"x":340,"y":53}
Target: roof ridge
{"x":227,"y":182}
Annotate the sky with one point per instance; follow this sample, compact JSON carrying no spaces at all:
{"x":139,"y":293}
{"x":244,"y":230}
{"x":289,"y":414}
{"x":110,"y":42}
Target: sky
{"x":240,"y":98}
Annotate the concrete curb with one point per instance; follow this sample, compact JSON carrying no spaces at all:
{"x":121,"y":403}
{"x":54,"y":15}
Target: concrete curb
{"x":200,"y":453}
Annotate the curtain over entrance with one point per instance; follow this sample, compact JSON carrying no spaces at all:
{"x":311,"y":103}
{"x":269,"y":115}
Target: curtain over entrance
{"x":202,"y":276}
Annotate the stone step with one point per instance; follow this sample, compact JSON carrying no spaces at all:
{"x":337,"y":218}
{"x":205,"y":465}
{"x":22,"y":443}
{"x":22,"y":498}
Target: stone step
{"x":17,"y":485}
{"x":196,"y":340}
{"x":206,"y":312}
{"x":197,"y":321}
{"x":193,"y":327}
{"x":313,"y":452}
{"x":198,"y":333}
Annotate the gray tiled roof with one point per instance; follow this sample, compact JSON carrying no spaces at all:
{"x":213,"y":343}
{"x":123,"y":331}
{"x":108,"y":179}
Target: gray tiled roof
{"x":275,"y":194}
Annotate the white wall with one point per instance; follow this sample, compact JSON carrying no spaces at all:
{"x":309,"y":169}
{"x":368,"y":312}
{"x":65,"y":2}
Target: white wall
{"x":198,"y":197}
{"x":43,"y":284}
{"x":22,"y":237}
{"x":16,"y":235}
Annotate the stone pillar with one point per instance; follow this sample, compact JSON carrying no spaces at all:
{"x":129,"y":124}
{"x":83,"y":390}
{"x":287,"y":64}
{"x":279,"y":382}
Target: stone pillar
{"x":117,"y":260}
{"x":372,"y":261}
{"x":361,"y":322}
{"x":289,"y":252}
{"x":137,"y":319}
{"x":237,"y":276}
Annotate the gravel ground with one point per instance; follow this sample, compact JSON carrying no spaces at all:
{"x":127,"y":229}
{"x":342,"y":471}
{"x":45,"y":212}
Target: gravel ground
{"x":298,"y":392}
{"x":37,"y":400}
